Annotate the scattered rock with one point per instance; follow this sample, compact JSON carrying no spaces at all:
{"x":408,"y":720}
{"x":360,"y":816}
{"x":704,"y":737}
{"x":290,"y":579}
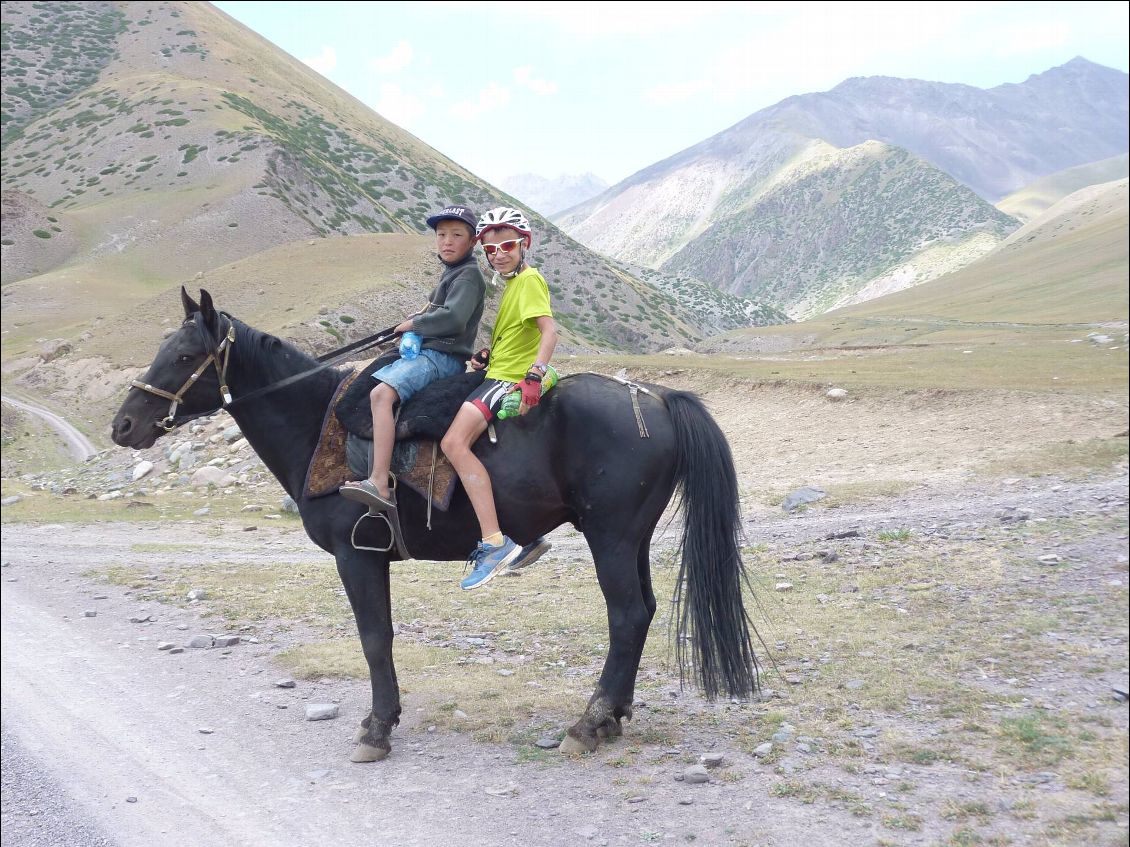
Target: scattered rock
{"x":801,"y":497}
{"x":321,"y":711}
{"x":53,"y":349}
{"x":696,"y":775}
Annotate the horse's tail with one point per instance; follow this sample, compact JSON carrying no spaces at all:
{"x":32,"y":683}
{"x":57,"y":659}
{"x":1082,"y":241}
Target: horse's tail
{"x":709,"y":613}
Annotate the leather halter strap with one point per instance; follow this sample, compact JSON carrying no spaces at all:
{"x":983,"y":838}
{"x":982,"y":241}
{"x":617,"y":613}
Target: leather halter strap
{"x":218,"y":357}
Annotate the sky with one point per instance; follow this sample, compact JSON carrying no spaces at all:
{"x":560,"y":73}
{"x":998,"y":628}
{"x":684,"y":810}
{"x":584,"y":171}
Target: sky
{"x":553,"y":88}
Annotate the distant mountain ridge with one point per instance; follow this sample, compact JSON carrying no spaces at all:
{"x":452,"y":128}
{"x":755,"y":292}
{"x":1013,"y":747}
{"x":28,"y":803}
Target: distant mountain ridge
{"x":726,"y":208}
{"x":994,"y":140}
{"x":550,"y":196}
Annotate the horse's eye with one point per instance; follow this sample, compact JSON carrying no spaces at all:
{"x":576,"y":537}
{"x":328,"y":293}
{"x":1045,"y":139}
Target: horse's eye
{"x":184,"y":359}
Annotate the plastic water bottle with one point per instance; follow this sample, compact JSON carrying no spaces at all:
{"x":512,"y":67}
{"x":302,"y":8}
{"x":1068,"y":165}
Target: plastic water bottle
{"x":512,"y":403}
{"x":511,"y":406}
{"x":410,"y":345}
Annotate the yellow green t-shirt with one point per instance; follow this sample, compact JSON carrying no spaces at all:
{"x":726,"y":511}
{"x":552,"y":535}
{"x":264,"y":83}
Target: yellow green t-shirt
{"x":516,"y":337}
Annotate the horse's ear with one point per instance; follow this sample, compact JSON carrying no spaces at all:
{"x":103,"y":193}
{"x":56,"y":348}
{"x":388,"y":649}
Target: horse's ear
{"x":208,"y":311}
{"x":190,"y":305}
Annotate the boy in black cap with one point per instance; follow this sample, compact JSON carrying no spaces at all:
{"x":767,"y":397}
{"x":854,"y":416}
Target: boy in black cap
{"x":448,"y":324}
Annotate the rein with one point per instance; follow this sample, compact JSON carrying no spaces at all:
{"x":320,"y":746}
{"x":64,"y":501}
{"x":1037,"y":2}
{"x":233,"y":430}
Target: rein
{"x":220,"y":356}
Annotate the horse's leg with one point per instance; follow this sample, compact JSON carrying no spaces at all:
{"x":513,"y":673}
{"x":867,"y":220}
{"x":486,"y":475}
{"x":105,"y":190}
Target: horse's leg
{"x":631,"y":606}
{"x":366,"y":580}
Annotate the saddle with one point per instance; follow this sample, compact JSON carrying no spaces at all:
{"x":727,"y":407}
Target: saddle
{"x":345,"y":445}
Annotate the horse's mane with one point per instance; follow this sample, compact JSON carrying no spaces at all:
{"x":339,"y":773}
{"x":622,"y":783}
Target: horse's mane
{"x":275,"y":358}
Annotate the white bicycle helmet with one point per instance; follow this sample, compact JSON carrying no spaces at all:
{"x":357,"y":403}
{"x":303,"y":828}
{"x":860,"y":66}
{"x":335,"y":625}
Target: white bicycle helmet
{"x":504,"y":216}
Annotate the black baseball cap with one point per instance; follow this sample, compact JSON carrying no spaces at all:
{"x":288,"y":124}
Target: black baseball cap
{"x":455,"y":213}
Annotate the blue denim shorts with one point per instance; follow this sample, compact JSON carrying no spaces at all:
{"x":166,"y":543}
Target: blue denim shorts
{"x":410,"y":376}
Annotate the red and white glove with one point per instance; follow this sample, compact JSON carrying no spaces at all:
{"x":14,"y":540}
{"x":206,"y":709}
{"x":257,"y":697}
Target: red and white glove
{"x":531,"y":389}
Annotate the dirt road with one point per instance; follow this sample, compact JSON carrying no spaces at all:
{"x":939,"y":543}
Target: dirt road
{"x":79,"y":445}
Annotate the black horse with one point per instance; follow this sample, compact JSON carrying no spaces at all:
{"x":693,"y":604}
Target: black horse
{"x":579,"y":457}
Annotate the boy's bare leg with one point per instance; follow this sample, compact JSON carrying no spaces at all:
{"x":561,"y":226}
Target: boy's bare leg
{"x":381,"y":400}
{"x":468,"y":425}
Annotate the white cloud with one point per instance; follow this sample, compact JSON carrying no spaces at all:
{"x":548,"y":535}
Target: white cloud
{"x":398,"y":106}
{"x":324,"y":63}
{"x":490,"y":99}
{"x":397,"y":60}
{"x":524,"y":76}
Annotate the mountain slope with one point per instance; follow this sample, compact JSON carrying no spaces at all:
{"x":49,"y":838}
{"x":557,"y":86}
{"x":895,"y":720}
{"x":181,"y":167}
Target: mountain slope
{"x":1052,"y":279}
{"x":992,"y":141}
{"x":179,"y":141}
{"x":842,"y":226}
{"x":1033,"y":200}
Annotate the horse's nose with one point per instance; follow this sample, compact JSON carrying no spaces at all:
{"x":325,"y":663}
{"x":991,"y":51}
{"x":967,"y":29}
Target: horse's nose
{"x":121,"y":428}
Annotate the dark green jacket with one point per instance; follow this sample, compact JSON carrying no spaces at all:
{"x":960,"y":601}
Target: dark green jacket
{"x":451,"y":320}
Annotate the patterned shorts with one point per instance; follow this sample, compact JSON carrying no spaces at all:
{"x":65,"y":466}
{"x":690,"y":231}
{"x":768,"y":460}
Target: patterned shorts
{"x":489,"y":396}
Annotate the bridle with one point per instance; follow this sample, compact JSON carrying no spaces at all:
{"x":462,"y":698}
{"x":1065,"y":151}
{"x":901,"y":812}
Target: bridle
{"x":218,"y":357}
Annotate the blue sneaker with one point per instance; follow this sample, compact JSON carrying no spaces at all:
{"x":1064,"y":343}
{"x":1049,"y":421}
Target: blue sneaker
{"x":487,"y":561}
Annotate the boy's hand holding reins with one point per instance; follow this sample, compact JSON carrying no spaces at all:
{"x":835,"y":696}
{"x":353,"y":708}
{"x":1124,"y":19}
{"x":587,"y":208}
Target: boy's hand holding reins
{"x":481,"y":359}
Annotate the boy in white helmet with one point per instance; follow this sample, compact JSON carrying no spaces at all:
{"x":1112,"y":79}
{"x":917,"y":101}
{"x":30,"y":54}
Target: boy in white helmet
{"x":522,"y":344}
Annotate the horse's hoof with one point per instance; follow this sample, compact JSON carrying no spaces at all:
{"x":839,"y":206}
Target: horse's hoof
{"x":570,"y":746}
{"x":610,"y":730}
{"x":368,"y":753}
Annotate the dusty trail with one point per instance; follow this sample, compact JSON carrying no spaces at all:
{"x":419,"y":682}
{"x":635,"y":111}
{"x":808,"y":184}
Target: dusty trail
{"x":78,"y":444}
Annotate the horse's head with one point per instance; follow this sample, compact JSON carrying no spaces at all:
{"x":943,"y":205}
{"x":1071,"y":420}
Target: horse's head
{"x":182,"y":383}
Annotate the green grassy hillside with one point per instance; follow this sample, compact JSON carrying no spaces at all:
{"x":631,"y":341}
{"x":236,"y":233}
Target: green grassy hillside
{"x":842,"y":225}
{"x":1046,"y":311}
